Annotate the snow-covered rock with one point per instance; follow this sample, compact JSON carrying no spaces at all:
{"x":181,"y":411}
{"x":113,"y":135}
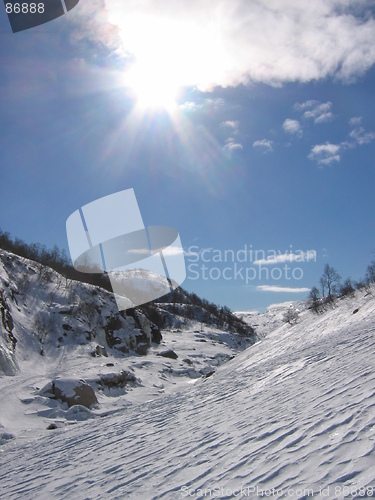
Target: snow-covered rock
{"x":71,"y":391}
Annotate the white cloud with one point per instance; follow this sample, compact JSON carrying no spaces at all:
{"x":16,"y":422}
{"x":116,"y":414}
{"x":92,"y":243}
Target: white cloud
{"x":361,"y":137}
{"x":232,"y":124}
{"x":324,"y":117}
{"x":207,"y":105}
{"x":292,"y":127}
{"x":288,"y":257}
{"x":325,"y":154}
{"x":282,"y":289}
{"x":231,"y":145}
{"x":264,"y":144}
{"x":356,"y":120}
{"x":190,"y":106}
{"x":228,"y":42}
{"x":319,"y":112}
{"x":304,"y":105}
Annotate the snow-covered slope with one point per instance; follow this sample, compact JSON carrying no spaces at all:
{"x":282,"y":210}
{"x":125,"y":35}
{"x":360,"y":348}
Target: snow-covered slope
{"x":293,"y":415}
{"x":272,"y":318}
{"x":58,"y":333}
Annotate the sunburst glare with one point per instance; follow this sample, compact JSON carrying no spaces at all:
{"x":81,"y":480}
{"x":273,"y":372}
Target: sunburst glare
{"x":166,"y":57}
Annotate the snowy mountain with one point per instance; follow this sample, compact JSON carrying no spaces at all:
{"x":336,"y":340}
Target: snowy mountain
{"x":291,"y":416}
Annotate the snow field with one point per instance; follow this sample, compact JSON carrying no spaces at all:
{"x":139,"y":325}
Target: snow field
{"x":293,"y":415}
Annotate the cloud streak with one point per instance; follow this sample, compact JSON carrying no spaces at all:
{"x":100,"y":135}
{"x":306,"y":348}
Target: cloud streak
{"x":288,"y":257}
{"x":281,"y":289}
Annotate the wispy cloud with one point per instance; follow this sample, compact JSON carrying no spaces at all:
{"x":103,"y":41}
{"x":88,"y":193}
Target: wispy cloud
{"x":190,"y":106}
{"x":292,"y":127}
{"x":281,"y":289}
{"x":361,"y":137}
{"x":206,"y":105}
{"x":237,"y":41}
{"x":232,"y":145}
{"x":232,"y":124}
{"x":325,"y":154}
{"x":319,"y":112}
{"x":264,"y":144}
{"x":356,"y":120}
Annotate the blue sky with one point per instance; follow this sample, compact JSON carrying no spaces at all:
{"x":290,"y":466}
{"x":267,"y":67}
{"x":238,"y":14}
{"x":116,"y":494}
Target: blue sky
{"x":244,"y":125}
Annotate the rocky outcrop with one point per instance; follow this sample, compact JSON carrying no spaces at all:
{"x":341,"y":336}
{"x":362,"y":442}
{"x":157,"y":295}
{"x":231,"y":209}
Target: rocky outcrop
{"x":6,"y":319}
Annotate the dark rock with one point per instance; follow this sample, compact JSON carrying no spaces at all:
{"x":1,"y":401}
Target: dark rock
{"x":73,"y":392}
{"x":66,"y":327}
{"x":51,"y":427}
{"x":99,"y":351}
{"x":188,"y":361}
{"x":355,"y":311}
{"x":109,"y":364}
{"x":141,"y":338}
{"x":141,"y":349}
{"x":168,"y":354}
{"x":114,"y":323}
{"x":116,"y":379}
{"x":156,"y":334}
{"x":9,"y":325}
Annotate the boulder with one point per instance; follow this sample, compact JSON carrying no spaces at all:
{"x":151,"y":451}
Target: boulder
{"x":120,"y":379}
{"x":72,"y":391}
{"x":141,"y":349}
{"x":168,"y":354}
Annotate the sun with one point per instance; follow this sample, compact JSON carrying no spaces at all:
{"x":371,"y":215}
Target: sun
{"x":168,"y":55}
{"x":153,"y":85}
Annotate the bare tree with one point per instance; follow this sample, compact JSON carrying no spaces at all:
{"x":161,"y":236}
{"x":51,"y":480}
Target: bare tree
{"x":370,"y":274}
{"x":330,"y":281}
{"x":315,"y":301}
{"x":347,"y":288}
